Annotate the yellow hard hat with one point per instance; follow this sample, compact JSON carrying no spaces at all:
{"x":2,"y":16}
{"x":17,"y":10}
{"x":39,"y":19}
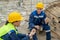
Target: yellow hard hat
{"x":14,"y":16}
{"x":40,"y":5}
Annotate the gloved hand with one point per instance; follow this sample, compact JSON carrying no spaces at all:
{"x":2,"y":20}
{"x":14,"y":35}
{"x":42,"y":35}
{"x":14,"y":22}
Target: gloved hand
{"x":32,"y":33}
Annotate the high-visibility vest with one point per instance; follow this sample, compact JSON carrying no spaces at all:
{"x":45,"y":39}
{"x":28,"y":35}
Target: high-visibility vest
{"x":6,"y":28}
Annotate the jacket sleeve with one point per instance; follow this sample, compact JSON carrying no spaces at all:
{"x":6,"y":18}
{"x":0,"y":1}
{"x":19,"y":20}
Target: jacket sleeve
{"x":44,"y":18}
{"x":5,"y":37}
{"x":44,"y":15}
{"x":26,"y":38}
{"x":21,"y":35}
{"x":13,"y":35}
{"x":31,"y":19}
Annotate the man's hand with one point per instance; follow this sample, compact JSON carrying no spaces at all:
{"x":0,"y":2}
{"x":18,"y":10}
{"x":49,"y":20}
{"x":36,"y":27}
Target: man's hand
{"x":37,"y":26}
{"x":47,"y":20}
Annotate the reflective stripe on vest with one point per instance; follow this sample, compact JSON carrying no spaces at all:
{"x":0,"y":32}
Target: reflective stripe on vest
{"x":6,"y":28}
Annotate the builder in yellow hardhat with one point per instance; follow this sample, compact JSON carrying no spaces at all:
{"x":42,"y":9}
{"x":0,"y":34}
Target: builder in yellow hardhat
{"x":9,"y":31}
{"x":37,"y":19}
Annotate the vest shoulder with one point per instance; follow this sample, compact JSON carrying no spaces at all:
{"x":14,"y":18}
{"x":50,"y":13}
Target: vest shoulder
{"x":6,"y":28}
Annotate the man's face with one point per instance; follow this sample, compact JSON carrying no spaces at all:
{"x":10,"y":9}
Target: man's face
{"x":17,"y":23}
{"x":39,"y":10}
